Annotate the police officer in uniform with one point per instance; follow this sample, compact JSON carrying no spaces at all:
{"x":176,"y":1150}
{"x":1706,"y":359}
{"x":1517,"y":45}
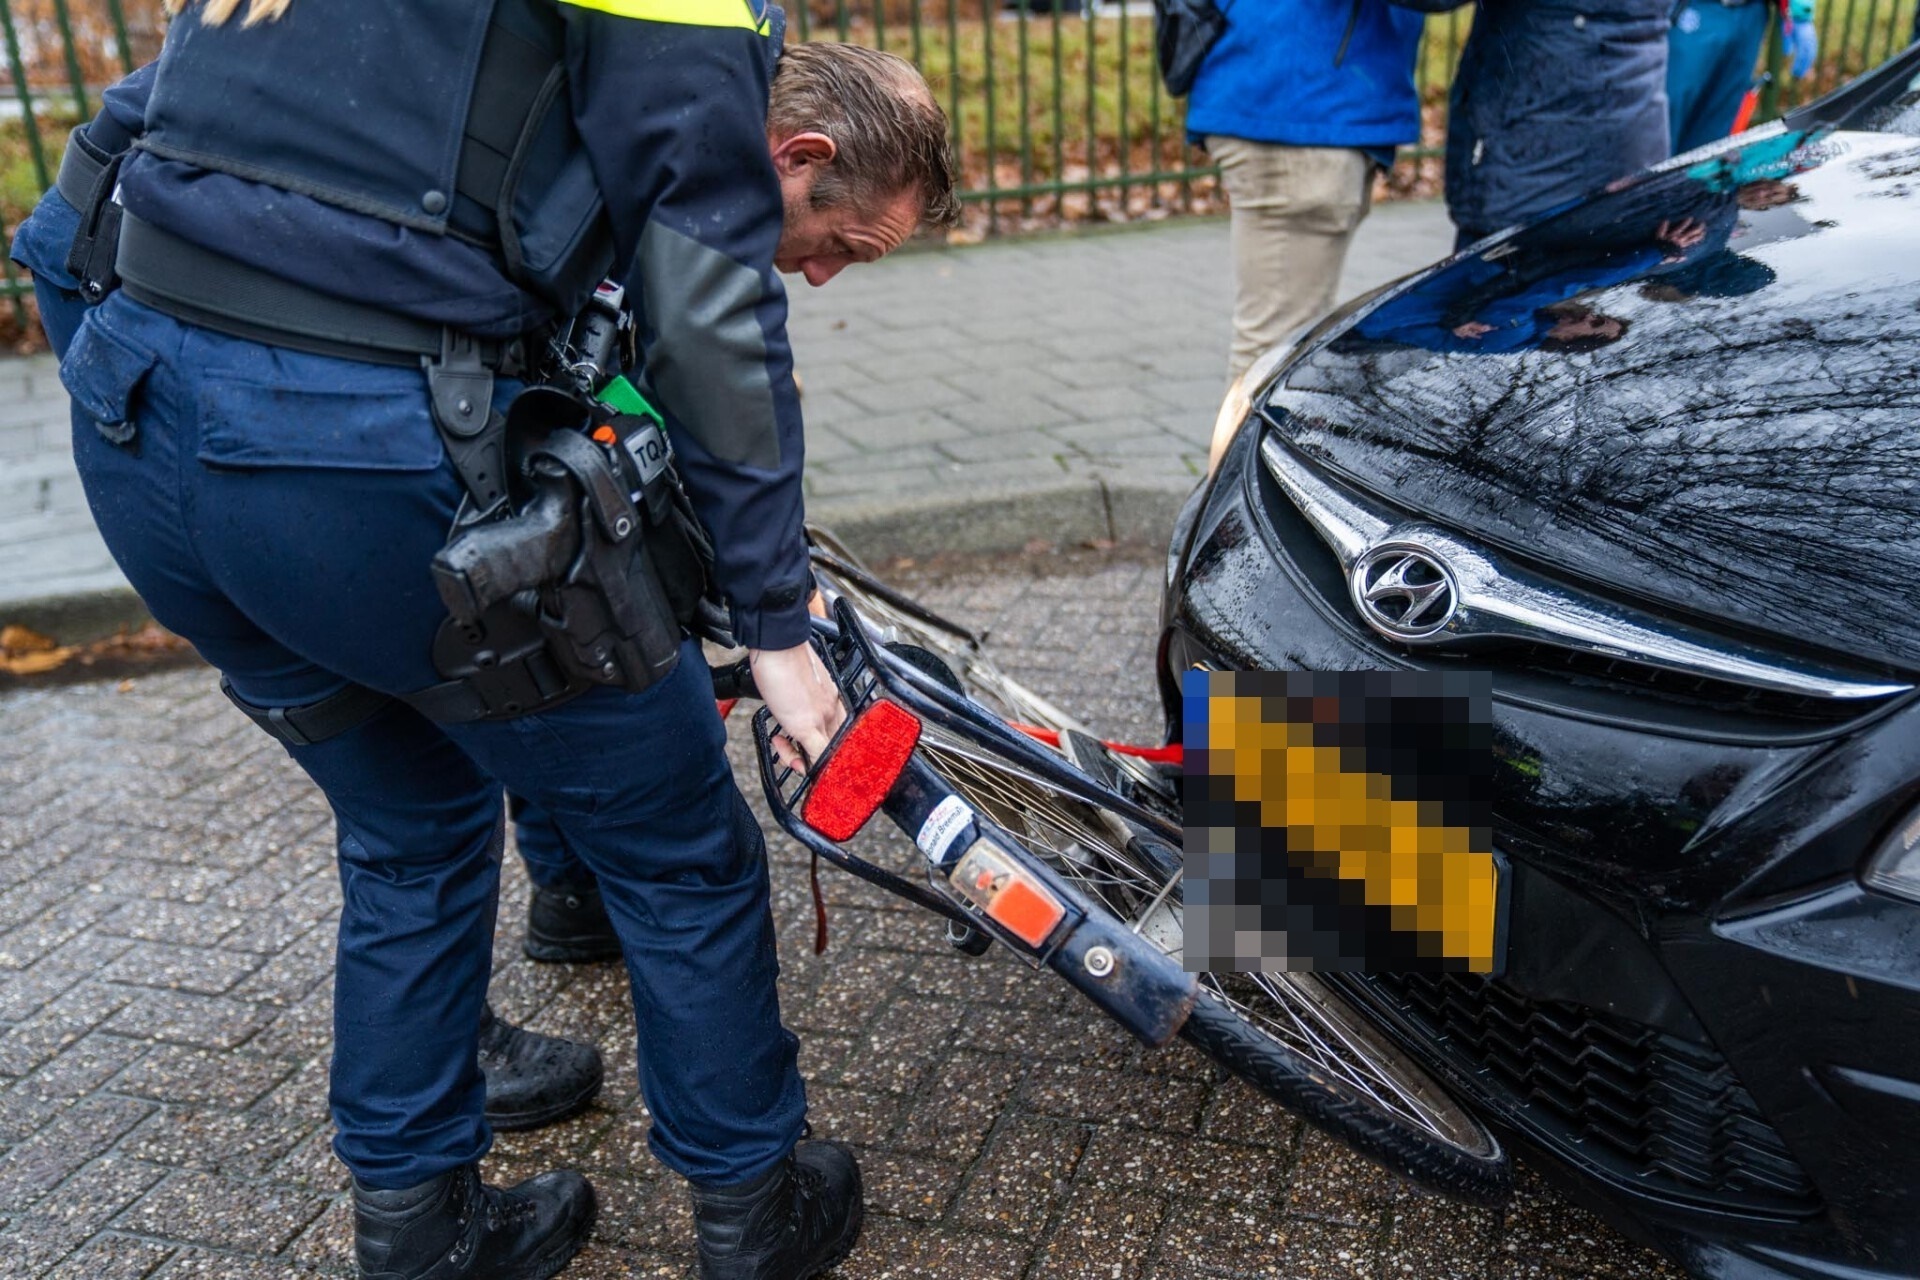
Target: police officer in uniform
{"x":532,"y":1080}
{"x":338,"y":228}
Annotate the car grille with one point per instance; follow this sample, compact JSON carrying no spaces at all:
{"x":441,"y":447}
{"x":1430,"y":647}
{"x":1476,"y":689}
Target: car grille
{"x":1609,"y":684}
{"x":1651,"y":1111}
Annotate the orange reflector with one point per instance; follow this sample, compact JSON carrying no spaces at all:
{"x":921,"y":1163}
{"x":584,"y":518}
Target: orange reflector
{"x":1026,"y":913}
{"x":850,"y":784}
{"x":993,"y":879}
{"x":604,"y":434}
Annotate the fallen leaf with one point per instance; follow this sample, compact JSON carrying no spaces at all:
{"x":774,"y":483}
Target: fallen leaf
{"x":16,"y":640}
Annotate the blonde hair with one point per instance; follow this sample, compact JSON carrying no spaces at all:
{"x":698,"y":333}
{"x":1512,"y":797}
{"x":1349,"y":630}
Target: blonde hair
{"x":218,"y":11}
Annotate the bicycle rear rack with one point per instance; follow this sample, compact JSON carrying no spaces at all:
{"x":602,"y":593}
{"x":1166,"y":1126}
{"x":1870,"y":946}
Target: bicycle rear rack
{"x":977,"y":873}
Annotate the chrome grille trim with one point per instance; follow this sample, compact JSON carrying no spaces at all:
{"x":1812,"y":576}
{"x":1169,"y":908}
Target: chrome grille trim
{"x":1497,"y":600}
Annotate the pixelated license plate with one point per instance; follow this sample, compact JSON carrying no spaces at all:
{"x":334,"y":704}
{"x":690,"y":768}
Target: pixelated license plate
{"x":1341,"y":822}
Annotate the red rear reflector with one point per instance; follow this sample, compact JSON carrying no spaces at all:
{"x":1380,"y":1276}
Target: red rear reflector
{"x":855,"y":777}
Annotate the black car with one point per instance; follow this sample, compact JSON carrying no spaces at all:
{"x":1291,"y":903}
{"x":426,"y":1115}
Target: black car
{"x":1655,"y":463}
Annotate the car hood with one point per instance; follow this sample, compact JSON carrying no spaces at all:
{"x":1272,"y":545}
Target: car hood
{"x":1700,"y":390}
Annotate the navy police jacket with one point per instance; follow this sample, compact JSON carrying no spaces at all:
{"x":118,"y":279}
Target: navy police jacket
{"x":1554,"y":99}
{"x":336,"y":169}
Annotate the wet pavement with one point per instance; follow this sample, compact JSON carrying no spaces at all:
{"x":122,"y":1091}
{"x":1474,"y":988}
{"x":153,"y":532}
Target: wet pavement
{"x":167,"y":903}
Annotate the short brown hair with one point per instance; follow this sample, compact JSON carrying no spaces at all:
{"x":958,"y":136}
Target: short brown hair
{"x":889,"y":133}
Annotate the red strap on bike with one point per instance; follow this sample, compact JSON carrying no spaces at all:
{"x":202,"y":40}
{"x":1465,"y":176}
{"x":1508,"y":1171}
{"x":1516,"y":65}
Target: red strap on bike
{"x":819,"y":908}
{"x":1173,"y":753}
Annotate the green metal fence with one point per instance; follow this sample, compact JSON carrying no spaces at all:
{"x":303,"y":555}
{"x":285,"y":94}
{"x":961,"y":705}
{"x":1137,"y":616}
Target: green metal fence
{"x":1057,"y":115}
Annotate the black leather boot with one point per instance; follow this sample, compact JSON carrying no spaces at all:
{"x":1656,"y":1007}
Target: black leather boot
{"x":534,"y":1079}
{"x":455,"y":1228}
{"x":569,"y":925}
{"x":795,"y":1222}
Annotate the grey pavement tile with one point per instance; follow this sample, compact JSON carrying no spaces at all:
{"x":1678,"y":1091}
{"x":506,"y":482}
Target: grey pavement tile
{"x":1086,"y":1093}
{"x":891,"y":1249}
{"x":239,"y":1143}
{"x":311,"y":1165}
{"x":1081,"y":373}
{"x":897,"y":395}
{"x":225,"y":1213}
{"x":196,"y":924}
{"x":953,"y":1115}
{"x":1095,"y":404}
{"x":86,"y":1130}
{"x":1003,"y":447}
{"x":904,"y":1186}
{"x":1103,"y":1237}
{"x":1186,"y":1165}
{"x":922,"y":362}
{"x":1239,"y":1112}
{"x":200,"y":1264}
{"x":1213,"y":1240}
{"x":292,"y":973}
{"x":56,"y":1026}
{"x":866,"y":483}
{"x":327,"y":1243}
{"x":1543,"y":1229}
{"x":113,"y":1257}
{"x":1435,"y":1239}
{"x":178,"y":1074}
{"x":863,"y":1117}
{"x":180,"y":1017}
{"x":38,"y":937}
{"x":1332,"y":1183}
{"x":1025,"y":1173}
{"x":175,"y":968}
{"x":893,"y":338}
{"x":81,"y":1068}
{"x":909,"y":1038}
{"x":889,"y":434}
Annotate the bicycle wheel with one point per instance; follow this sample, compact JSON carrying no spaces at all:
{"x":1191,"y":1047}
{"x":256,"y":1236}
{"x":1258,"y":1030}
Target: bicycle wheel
{"x":1287,"y":1034}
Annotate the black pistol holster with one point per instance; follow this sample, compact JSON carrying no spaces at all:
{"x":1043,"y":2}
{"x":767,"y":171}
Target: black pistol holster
{"x":594,"y":551}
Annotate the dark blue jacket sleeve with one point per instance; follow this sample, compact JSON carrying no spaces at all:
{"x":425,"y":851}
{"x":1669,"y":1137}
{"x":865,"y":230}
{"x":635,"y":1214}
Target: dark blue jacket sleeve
{"x":674,"y":119}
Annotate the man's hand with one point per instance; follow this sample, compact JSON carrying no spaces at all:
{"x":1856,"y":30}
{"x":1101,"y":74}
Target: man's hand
{"x":803,"y":699}
{"x":1680,"y":235}
{"x":1472,"y":329}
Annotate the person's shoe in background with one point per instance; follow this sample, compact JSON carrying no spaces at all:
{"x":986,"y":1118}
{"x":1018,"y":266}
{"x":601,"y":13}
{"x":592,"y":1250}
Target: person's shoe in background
{"x":568,"y":924}
{"x":534,"y":1080}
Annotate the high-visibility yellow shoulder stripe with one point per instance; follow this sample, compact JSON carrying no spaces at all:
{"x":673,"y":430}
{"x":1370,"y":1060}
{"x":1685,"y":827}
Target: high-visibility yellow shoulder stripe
{"x":744,"y":14}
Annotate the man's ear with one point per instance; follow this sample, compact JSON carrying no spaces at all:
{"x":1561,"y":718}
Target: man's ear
{"x":796,"y":151}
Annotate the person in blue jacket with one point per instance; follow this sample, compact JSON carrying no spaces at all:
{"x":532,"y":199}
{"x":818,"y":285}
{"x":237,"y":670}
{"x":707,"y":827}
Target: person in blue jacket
{"x":1553,"y":99}
{"x":1301,"y":104}
{"x":290,"y":399}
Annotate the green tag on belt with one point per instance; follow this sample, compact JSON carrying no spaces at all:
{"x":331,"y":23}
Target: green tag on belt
{"x":622,"y":396}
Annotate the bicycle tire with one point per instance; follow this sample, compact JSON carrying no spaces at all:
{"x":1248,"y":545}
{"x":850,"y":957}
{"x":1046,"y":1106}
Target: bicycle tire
{"x":1363,"y":1092}
{"x":1475,"y":1171}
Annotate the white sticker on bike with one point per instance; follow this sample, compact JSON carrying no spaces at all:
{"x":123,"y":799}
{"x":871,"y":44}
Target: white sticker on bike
{"x":943,"y":826}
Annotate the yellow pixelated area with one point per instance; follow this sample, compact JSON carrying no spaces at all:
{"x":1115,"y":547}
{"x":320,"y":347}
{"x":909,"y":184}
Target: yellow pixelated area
{"x":1345,"y":824}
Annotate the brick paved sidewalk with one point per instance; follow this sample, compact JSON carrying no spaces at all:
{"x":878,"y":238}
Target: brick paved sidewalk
{"x":167,"y":905}
{"x":1060,"y":387}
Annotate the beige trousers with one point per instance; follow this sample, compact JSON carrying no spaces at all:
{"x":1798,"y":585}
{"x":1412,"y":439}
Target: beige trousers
{"x":1294,"y":213}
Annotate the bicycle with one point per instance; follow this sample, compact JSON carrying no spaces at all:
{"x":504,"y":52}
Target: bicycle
{"x":1095,"y":827}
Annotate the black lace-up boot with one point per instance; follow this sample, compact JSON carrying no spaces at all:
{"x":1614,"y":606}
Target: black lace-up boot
{"x":533,"y":1079}
{"x":568,"y":924}
{"x":795,"y":1222}
{"x":456,"y":1228}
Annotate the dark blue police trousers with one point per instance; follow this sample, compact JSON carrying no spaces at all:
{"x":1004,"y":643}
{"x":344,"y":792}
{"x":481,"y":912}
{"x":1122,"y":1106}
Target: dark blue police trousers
{"x":279,"y":510}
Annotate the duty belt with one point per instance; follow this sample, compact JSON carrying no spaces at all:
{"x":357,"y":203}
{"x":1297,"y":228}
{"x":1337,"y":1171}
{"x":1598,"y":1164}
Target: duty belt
{"x":203,"y":288}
